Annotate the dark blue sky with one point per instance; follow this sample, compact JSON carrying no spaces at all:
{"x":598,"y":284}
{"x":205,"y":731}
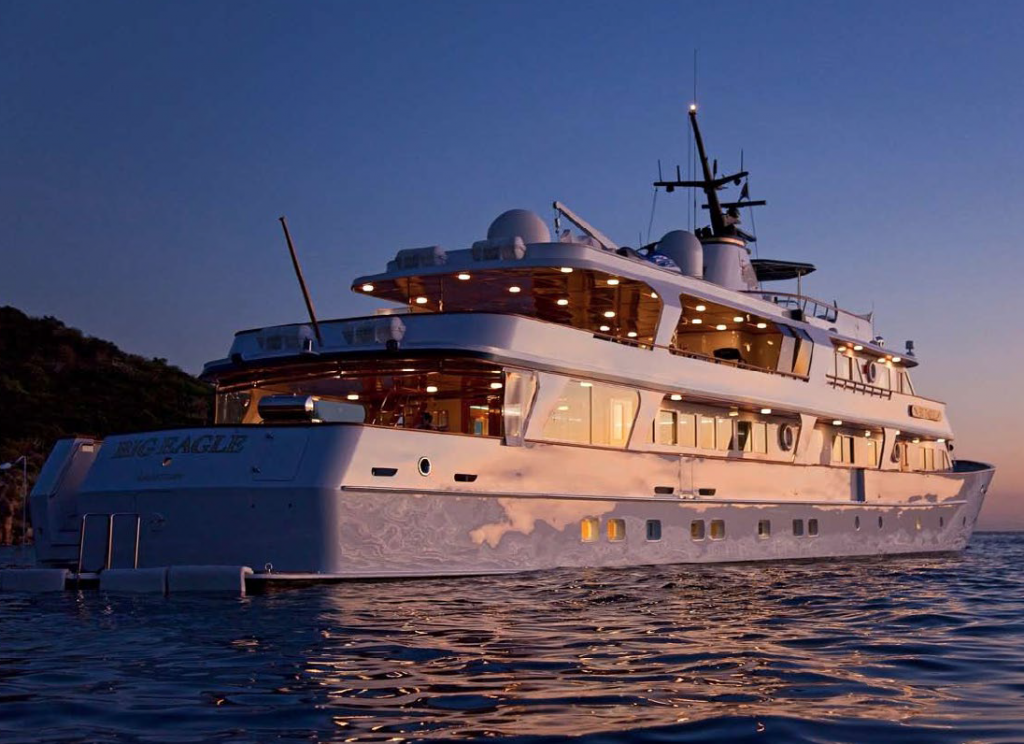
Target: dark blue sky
{"x":146,"y":150}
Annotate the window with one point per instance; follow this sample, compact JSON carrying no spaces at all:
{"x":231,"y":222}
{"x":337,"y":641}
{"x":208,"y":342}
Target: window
{"x":873,"y":453}
{"x":616,"y":530}
{"x":880,"y":523}
{"x":589,"y":529}
{"x":764,"y":529}
{"x":856,"y":523}
{"x":942,"y":522}
{"x":593,"y":413}
{"x":842,"y":449}
{"x":519,"y":390}
{"x":812,"y":527}
{"x":706,"y":434}
{"x":697,"y":529}
{"x":798,"y":527}
{"x":666,"y":427}
{"x":723,"y":434}
{"x":760,"y":430}
{"x":744,"y":436}
{"x":844,"y":366}
{"x":917,"y":523}
{"x":653,"y":529}
{"x":927,"y":458}
{"x":688,"y":429}
{"x":717,"y":529}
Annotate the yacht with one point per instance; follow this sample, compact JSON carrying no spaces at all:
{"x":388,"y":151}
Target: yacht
{"x":544,"y":398}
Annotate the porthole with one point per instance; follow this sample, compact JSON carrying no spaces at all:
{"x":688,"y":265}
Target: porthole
{"x":856,"y":523}
{"x":653,"y":529}
{"x":589,"y":528}
{"x":879,"y":523}
{"x":423,"y":466}
{"x":616,"y":530}
{"x":812,"y":527}
{"x":798,"y":527}
{"x":764,"y":529}
{"x":895,"y":456}
{"x":942,"y":522}
{"x":786,"y":437}
{"x":697,"y":529}
{"x":717,"y":529}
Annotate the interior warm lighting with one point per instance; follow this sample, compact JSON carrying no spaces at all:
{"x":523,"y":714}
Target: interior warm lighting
{"x":352,"y":396}
{"x":676,"y":396}
{"x":734,"y":412}
{"x":701,"y":308}
{"x":766,"y":411}
{"x":837,"y":422}
{"x":696,"y":321}
{"x":897,"y":360}
{"x":563,"y":302}
{"x":431,"y":388}
{"x":613,"y":282}
{"x":514,"y":289}
{"x":762,"y":326}
{"x":631,"y":334}
{"x":609,"y":313}
{"x":408,"y":369}
{"x":586,"y":384}
{"x":738,"y":319}
{"x":496,"y":386}
{"x":858,"y":347}
{"x":421,"y":300}
{"x":565,"y":270}
{"x":563,"y":408}
{"x":464,"y":277}
{"x":721,"y":327}
{"x":367,"y":287}
{"x":605,"y":328}
{"x":842,"y":349}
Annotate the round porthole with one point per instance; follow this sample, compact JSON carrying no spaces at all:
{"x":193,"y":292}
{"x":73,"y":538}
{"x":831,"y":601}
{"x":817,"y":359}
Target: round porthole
{"x":871,"y":372}
{"x":896,"y":451}
{"x":423,"y":466}
{"x":786,"y":437}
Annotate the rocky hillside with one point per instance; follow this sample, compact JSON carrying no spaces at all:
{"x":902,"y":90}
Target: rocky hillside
{"x":55,"y":382}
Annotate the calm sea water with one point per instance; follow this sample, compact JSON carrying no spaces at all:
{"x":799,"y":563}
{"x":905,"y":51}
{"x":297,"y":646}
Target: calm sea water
{"x":881,"y":650}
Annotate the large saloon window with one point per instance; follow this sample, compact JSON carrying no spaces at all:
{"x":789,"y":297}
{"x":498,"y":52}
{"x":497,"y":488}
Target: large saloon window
{"x":609,"y":306}
{"x":708,"y":330}
{"x":463,"y":397}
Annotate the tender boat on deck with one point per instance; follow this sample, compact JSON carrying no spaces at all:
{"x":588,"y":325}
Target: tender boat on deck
{"x":535,"y":401}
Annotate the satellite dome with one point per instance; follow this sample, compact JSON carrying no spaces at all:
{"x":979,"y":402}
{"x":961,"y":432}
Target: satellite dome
{"x":685,"y":250}
{"x":520,"y":223}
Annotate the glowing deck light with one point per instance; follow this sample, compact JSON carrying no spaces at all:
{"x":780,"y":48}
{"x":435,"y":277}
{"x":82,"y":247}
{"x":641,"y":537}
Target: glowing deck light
{"x":514,"y":289}
{"x":721,"y":327}
{"x":496,"y":386}
{"x":837,"y":422}
{"x":738,"y":319}
{"x":654,"y":295}
{"x":696,"y":321}
{"x":408,"y":369}
{"x":676,"y":396}
{"x":565,"y":270}
{"x":941,"y":441}
{"x":609,"y":313}
{"x":605,"y":328}
{"x":766,"y":411}
{"x":613,"y":282}
{"x":563,"y":302}
{"x":563,"y":408}
{"x":762,"y":326}
{"x":464,"y":277}
{"x":586,"y":384}
{"x":897,"y":360}
{"x":431,"y":388}
{"x":701,"y":308}
{"x":367,"y":287}
{"x":693,"y":107}
{"x":867,"y":433}
{"x":352,"y":396}
{"x":858,"y":347}
{"x":421,"y":300}
{"x":916,"y":440}
{"x":734,"y":412}
{"x":631,"y":334}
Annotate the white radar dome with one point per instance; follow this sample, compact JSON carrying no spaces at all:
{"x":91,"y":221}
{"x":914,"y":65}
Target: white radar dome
{"x":520,"y":223}
{"x":685,"y":249}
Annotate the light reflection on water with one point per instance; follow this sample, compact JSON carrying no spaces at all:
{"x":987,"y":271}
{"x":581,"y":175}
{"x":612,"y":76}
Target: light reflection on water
{"x":919,"y":649}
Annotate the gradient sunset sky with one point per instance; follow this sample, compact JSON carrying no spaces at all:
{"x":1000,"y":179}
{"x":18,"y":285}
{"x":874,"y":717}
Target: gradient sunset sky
{"x":147,"y":149}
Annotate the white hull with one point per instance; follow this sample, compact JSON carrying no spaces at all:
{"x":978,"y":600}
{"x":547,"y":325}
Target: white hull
{"x":303,"y":502}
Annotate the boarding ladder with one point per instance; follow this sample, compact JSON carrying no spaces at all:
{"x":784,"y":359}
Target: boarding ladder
{"x":88,"y":540}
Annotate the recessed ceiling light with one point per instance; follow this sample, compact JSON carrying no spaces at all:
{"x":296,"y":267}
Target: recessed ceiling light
{"x":613,"y":282}
{"x":837,"y":422}
{"x":842,"y":349}
{"x":916,"y":440}
{"x":867,"y":432}
{"x":941,"y":441}
{"x":421,"y":300}
{"x":496,"y":386}
{"x":463,"y":277}
{"x":897,"y":360}
{"x":676,"y":396}
{"x":352,"y":396}
{"x":565,"y":270}
{"x":367,"y":287}
{"x":431,"y":388}
{"x":696,"y":321}
{"x":586,"y":384}
{"x":408,"y":369}
{"x":563,"y":408}
{"x":766,"y":411}
{"x":654,"y":295}
{"x":734,"y":412}
{"x":762,"y":326}
{"x":563,"y":302}
{"x":701,"y":308}
{"x":609,"y":313}
{"x":605,"y":328}
{"x":514,"y":289}
{"x":858,"y":347}
{"x":721,"y":327}
{"x":737,"y":319}
{"x":631,"y":334}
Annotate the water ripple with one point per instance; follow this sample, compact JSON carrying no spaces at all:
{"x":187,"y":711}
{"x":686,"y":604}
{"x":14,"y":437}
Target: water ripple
{"x":889,"y":650}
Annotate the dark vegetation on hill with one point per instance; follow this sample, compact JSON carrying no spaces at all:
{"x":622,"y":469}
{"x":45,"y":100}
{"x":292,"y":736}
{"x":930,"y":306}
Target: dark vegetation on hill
{"x":57,"y":382}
